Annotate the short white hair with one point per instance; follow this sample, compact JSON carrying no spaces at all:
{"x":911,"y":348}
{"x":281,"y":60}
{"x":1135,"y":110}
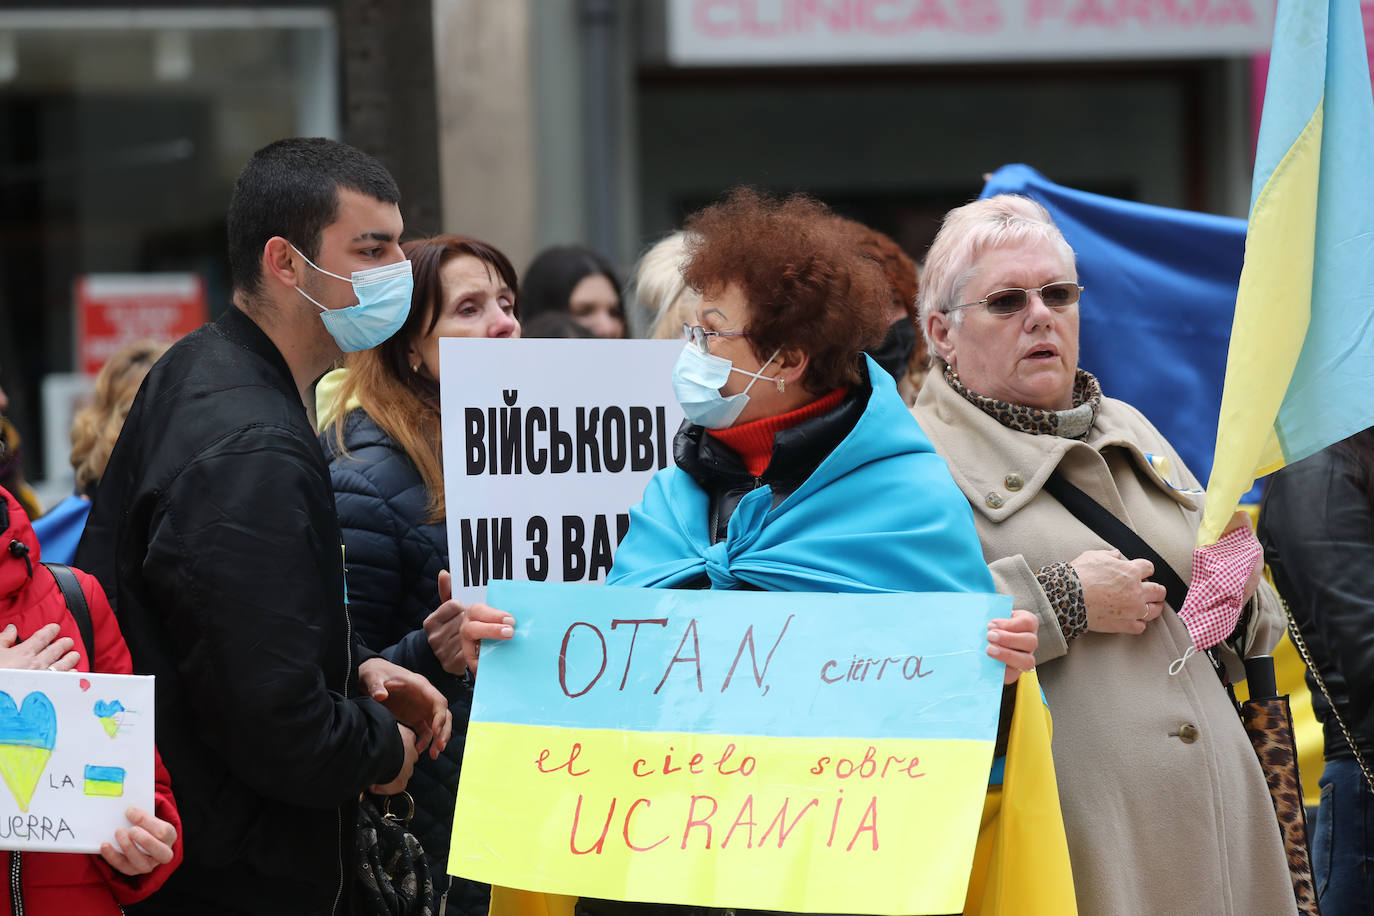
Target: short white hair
{"x":967,"y":232}
{"x":659,"y":288}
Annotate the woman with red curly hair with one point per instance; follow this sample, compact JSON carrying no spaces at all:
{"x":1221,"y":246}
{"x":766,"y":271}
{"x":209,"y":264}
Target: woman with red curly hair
{"x":799,"y":467}
{"x":797,"y":455}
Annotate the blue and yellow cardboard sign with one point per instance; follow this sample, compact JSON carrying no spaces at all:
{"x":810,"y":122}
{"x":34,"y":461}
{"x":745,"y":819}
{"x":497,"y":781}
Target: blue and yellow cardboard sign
{"x":783,"y":751}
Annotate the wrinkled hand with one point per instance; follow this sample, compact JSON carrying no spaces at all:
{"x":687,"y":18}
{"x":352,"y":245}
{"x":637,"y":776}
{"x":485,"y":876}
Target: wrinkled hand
{"x":41,"y":650}
{"x":1118,"y":597}
{"x":412,"y":699}
{"x":456,"y":630}
{"x":144,"y":846}
{"x":407,"y":768}
{"x":1013,"y":643}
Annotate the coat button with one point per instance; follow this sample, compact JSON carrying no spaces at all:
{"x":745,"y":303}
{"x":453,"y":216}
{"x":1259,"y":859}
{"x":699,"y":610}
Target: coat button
{"x":1187,"y":733}
{"x":1014,"y":482}
{"x":994,"y":500}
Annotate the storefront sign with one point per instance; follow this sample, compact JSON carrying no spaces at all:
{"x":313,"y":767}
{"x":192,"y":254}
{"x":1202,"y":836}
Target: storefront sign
{"x":795,"y":32}
{"x":765,"y":750}
{"x":547,"y":445}
{"x":116,"y":309}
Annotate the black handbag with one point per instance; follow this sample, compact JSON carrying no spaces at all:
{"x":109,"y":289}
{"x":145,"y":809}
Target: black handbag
{"x":393,"y":878}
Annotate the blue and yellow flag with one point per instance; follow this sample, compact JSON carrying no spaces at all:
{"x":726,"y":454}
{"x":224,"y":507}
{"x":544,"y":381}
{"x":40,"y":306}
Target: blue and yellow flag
{"x":1302,"y":345}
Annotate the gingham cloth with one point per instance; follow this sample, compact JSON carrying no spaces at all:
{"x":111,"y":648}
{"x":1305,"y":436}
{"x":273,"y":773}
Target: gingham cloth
{"x":1217,"y":591}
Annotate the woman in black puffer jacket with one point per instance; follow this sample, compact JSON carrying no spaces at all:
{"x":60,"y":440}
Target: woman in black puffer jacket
{"x":381,"y":434}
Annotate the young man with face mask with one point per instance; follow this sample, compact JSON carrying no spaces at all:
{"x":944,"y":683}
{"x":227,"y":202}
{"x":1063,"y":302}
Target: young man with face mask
{"x":215,"y":536}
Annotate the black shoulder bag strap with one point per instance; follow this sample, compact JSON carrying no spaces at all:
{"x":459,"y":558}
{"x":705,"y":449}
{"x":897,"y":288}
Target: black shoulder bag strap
{"x":1117,"y":533}
{"x":76,"y":605}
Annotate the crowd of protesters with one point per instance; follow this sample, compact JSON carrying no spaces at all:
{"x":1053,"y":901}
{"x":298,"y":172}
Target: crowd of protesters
{"x":908,"y":431}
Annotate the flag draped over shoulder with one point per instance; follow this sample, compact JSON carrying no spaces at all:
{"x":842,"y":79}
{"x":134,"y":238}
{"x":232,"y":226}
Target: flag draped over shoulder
{"x":1159,"y":291}
{"x":1301,"y":359}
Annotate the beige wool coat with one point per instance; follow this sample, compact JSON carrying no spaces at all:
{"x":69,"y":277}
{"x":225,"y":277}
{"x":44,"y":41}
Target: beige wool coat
{"x":1164,"y":802}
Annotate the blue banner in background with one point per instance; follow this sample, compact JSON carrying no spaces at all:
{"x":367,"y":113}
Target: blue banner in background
{"x":1159,"y":293}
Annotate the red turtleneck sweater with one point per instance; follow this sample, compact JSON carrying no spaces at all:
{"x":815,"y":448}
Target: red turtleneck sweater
{"x":753,"y":441}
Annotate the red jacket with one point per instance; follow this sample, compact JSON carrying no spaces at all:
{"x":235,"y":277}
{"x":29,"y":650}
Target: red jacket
{"x":65,"y":884}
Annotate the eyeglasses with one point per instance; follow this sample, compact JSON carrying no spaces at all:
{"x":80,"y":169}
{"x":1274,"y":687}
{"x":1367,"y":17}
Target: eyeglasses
{"x":1004,"y":302}
{"x":695,"y":333}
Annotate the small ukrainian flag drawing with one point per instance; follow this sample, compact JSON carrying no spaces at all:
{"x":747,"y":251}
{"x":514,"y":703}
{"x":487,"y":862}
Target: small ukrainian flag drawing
{"x":106,"y":781}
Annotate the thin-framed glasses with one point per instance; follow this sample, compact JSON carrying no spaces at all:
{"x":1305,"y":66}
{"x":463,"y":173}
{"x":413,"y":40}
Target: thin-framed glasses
{"x":1004,"y":302}
{"x":696,"y":334}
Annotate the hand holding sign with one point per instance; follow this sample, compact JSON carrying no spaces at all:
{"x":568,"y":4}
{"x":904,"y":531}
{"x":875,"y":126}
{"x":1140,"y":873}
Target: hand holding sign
{"x":1013,"y":643}
{"x":143,"y":847}
{"x":456,"y":630}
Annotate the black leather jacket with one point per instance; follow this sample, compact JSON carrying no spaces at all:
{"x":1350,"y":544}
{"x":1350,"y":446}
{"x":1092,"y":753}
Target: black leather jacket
{"x":214,"y":535}
{"x":1318,"y":535}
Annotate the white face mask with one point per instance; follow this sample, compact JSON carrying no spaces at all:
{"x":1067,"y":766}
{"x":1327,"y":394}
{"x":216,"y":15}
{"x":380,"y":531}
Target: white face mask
{"x":383,"y":305}
{"x":697,"y":378}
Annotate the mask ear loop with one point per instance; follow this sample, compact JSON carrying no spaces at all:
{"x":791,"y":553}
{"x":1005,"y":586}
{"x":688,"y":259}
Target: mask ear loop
{"x":1177,"y":664}
{"x":755,"y":376}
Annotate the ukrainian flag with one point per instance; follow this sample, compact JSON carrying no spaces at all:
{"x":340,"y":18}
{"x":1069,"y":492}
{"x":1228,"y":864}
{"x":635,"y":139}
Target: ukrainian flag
{"x":1302,"y":347}
{"x":106,"y":781}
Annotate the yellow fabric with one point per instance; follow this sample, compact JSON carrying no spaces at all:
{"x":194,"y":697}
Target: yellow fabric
{"x":1273,"y":307}
{"x":326,"y":393}
{"x":507,"y":901}
{"x":1021,"y":864}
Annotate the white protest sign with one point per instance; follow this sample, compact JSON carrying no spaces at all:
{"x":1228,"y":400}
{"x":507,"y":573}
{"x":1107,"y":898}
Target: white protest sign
{"x":547,"y":445}
{"x":76,"y":751}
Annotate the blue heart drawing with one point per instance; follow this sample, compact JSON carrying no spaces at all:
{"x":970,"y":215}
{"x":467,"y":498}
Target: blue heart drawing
{"x":32,"y":725}
{"x":105,"y":708}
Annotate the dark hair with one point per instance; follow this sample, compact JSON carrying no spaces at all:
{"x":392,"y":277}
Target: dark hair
{"x":555,"y":272}
{"x":291,"y":188}
{"x":1359,"y":449}
{"x":808,"y":285}
{"x":554,"y":325}
{"x":896,"y":265}
{"x":403,"y":403}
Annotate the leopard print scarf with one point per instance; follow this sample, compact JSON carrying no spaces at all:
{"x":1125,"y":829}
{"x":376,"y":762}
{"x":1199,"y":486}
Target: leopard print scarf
{"x":1074,"y":423}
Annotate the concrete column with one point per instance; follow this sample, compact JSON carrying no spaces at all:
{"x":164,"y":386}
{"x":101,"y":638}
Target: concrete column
{"x":483,"y":67}
{"x":389,"y":99}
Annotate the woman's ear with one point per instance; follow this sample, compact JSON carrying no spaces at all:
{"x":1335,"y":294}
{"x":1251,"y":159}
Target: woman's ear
{"x":791,"y":366}
{"x":938,"y":332}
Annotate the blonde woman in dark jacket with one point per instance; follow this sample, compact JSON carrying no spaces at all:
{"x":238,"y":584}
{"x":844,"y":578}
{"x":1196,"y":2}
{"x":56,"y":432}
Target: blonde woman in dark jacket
{"x":380,"y":431}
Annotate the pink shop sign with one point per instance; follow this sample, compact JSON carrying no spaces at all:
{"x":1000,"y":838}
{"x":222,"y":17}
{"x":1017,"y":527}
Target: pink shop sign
{"x":796,"y":32}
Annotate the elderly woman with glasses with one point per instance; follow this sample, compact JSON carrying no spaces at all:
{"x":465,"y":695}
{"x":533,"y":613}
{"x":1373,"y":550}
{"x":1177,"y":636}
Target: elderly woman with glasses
{"x":1164,"y":802}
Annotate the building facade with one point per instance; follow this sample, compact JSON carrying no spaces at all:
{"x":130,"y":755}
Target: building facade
{"x":536,"y":122}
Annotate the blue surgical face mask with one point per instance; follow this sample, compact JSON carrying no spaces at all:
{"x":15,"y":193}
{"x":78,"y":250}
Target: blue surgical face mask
{"x":697,"y":378}
{"x":383,"y":304}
